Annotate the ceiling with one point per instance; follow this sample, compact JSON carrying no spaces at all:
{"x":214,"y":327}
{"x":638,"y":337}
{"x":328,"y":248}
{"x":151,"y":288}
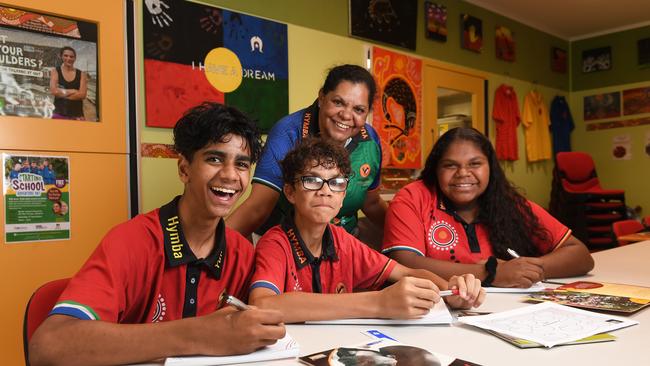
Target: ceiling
{"x":573,"y":19}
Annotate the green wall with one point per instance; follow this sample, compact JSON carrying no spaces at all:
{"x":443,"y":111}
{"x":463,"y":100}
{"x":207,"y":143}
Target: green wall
{"x":631,"y":175}
{"x":533,"y":47}
{"x":625,"y":68}
{"x":314,"y":22}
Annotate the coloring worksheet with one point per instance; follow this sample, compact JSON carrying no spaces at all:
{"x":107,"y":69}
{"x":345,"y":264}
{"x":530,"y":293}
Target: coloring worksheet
{"x":548,"y":323}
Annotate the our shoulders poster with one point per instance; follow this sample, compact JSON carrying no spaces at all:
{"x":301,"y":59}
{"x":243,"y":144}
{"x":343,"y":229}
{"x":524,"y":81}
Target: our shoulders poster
{"x":195,"y":53}
{"x":48,"y":66}
{"x":36,"y":193}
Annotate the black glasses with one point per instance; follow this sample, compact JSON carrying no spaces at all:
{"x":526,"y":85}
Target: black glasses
{"x":312,"y":183}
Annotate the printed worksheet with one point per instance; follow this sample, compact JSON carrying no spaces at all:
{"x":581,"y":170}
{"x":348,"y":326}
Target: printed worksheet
{"x":548,"y":323}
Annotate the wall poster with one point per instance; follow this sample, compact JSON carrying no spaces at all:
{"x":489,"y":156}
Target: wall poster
{"x":622,"y":147}
{"x":389,"y":21}
{"x":504,"y":40}
{"x":435,"y":21}
{"x":597,"y":59}
{"x":195,"y":53}
{"x":48,"y":66}
{"x":472,"y":28}
{"x":600,"y":106}
{"x":397,"y":115}
{"x":636,"y":101}
{"x":36,"y":192}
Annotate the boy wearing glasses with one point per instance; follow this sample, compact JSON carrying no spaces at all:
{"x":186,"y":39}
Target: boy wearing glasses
{"x":308,"y":268}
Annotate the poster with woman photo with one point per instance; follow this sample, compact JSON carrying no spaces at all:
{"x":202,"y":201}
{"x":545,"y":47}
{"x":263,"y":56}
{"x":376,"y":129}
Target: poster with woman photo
{"x":36,"y":191}
{"x":48,"y":66}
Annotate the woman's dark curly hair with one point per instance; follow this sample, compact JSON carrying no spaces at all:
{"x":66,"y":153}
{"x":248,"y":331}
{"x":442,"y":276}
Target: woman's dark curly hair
{"x":211,"y":122}
{"x":354,"y":74}
{"x":505,"y":213}
{"x":312,"y":152}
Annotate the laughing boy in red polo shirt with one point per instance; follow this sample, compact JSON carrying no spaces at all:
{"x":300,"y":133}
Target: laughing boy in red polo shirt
{"x":309,"y":268}
{"x":151,"y":288}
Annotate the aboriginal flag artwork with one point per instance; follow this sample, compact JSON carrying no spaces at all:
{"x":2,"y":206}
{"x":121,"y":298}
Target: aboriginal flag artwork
{"x":195,"y":53}
{"x":397,"y":117}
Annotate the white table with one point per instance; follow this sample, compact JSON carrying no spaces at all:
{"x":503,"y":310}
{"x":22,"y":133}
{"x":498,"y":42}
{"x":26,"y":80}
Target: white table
{"x":628,"y":264}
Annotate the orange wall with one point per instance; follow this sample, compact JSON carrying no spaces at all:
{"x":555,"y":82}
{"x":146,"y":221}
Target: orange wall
{"x":98,"y":172}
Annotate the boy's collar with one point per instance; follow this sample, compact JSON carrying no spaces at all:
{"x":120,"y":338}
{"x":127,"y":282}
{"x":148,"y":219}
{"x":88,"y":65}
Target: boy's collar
{"x":301,"y":254}
{"x":177,"y":250}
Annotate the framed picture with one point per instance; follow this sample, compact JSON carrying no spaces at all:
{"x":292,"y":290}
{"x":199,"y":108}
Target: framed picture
{"x":558,"y":60}
{"x":597,"y":59}
{"x":398,"y":112}
{"x":388,"y":21}
{"x":504,"y":44}
{"x":195,"y":52}
{"x":472,"y":29}
{"x":636,"y":101}
{"x":643,"y":49}
{"x":48,"y":66}
{"x":601,"y":106}
{"x":435,"y":21}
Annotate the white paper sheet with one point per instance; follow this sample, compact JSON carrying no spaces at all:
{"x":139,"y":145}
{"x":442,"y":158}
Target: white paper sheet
{"x":548,"y":323}
{"x":286,"y":347}
{"x":536,"y":287}
{"x":438,"y":315}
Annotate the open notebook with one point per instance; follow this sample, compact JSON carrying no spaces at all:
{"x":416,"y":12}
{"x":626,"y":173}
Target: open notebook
{"x":548,"y":324}
{"x":438,"y":315}
{"x":286,"y":347}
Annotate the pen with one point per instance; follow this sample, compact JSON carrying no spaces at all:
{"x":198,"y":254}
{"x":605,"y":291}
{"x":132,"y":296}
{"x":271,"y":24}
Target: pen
{"x":448,"y":292}
{"x":233,"y":301}
{"x":512,"y":253}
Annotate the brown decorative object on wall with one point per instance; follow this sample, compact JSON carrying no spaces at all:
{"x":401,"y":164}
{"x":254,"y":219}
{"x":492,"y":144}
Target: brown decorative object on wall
{"x":618,"y":124}
{"x":157,"y":151}
{"x":558,"y":60}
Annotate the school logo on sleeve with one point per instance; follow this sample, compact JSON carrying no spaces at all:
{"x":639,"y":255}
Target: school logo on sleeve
{"x":340,"y":288}
{"x":365,"y":170}
{"x":442,"y":236}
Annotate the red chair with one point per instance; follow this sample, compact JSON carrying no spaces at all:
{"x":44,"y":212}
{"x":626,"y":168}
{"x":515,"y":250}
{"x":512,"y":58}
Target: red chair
{"x":646,"y":222}
{"x":38,"y":308}
{"x":626,"y":227}
{"x":579,"y":201}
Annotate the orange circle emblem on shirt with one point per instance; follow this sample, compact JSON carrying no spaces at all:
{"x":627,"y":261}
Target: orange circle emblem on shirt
{"x":442,"y":236}
{"x":365,"y":170}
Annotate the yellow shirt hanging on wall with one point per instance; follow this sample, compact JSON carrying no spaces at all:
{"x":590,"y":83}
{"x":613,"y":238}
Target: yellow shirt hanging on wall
{"x":536,"y":123}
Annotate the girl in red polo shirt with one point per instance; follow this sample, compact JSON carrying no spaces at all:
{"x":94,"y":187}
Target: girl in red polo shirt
{"x":463,"y":216}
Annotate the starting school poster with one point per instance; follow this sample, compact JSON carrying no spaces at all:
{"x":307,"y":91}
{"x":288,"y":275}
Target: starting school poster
{"x":36,"y":193}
